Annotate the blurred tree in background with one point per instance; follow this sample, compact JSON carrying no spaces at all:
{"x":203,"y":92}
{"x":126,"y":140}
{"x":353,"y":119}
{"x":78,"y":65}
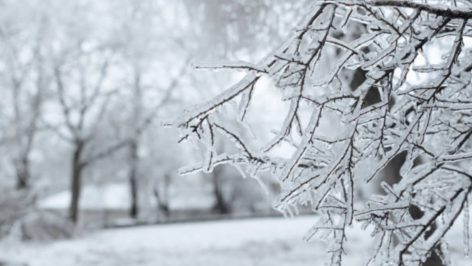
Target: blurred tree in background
{"x":85,"y":85}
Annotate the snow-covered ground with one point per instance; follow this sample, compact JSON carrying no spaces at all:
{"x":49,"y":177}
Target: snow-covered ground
{"x":258,"y":242}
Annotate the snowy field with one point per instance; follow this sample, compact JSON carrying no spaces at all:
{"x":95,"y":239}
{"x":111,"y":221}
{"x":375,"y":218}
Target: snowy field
{"x":258,"y":242}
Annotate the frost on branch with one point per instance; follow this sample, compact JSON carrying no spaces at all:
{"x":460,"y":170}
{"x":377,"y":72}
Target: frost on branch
{"x":423,"y":109}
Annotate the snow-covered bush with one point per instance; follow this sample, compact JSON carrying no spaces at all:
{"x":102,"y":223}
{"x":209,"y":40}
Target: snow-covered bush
{"x":45,"y":226}
{"x":14,"y":205}
{"x":20,"y":220}
{"x":417,"y":58}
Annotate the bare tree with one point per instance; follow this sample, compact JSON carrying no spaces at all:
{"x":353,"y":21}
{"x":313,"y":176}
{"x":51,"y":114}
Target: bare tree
{"x":141,"y":119}
{"x":27,"y":82}
{"x":341,"y":141}
{"x":140,"y":47}
{"x":83,"y":113}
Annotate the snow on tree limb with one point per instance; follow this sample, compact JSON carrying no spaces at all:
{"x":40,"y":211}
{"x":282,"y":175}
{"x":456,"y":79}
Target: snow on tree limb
{"x":427,"y":117}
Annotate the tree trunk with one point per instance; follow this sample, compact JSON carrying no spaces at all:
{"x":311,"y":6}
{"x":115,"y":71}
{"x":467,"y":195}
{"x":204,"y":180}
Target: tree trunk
{"x":76,"y":175}
{"x":25,"y":140}
{"x":133,"y":158}
{"x":22,"y":174}
{"x":162,"y":200}
{"x":133,"y":179}
{"x":221,"y":205}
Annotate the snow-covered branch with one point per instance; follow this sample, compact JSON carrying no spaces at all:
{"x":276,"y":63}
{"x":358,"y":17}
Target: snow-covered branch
{"x":364,"y":68}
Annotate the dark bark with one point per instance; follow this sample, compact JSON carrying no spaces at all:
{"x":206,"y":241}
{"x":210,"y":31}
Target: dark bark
{"x":26,"y":139}
{"x":133,"y":158}
{"x":76,"y":180}
{"x":134,"y":209}
{"x":22,"y":174}
{"x":162,"y":202}
{"x":162,"y":196}
{"x":221,"y":206}
{"x":133,"y":179}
